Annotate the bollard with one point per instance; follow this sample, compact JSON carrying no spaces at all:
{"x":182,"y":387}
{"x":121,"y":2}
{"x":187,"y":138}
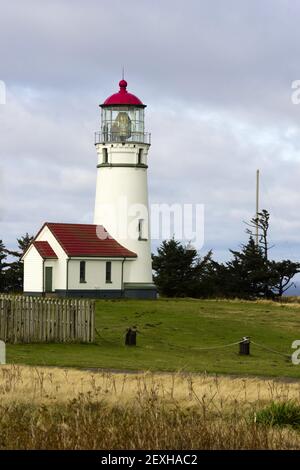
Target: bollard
{"x":245,"y":346}
{"x":130,"y":338}
{"x":2,"y":353}
{"x":127,"y":337}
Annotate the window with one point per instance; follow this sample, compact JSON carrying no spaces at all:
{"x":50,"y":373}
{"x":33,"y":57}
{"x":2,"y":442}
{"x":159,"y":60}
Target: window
{"x":140,"y":157}
{"x":105,"y":155}
{"x":140,"y":229}
{"x":108,"y":271}
{"x":82,"y":272}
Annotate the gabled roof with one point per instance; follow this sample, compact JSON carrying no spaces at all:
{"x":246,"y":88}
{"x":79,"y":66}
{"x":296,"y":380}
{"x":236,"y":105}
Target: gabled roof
{"x":87,"y":240}
{"x":44,"y":249}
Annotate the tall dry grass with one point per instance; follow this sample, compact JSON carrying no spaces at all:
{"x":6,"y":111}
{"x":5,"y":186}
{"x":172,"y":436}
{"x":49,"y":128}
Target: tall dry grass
{"x":43,"y":408}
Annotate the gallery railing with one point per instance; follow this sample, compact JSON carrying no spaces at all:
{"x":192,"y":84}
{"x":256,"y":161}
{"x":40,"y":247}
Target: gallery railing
{"x":138,"y":137}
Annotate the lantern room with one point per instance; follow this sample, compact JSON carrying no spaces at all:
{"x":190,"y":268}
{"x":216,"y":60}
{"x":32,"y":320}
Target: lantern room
{"x":122,"y":118}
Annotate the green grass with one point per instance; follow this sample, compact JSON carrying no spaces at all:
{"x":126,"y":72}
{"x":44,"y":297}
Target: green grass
{"x":282,"y":414}
{"x":171,"y":333}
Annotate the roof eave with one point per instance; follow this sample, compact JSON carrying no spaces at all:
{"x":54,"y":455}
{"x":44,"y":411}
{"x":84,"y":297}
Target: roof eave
{"x":102,"y":256}
{"x":103,"y":105}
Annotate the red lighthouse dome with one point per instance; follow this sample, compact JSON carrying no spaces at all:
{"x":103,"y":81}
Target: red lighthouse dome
{"x":123,"y":98}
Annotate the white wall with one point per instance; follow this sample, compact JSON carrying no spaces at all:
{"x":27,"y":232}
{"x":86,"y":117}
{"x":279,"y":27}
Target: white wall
{"x":33,"y":271}
{"x":95,"y":272}
{"x":119,"y":153}
{"x":59,"y":273}
{"x":95,"y":269}
{"x":127,"y":184}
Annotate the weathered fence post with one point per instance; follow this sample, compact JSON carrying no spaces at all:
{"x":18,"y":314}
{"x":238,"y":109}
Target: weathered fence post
{"x":2,"y":352}
{"x":244,"y":346}
{"x":130,"y":338}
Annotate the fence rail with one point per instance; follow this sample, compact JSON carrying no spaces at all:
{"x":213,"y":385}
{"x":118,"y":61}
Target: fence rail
{"x":42,"y":320}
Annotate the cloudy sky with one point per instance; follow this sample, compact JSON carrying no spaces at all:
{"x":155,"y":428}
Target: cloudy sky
{"x":216,"y":77}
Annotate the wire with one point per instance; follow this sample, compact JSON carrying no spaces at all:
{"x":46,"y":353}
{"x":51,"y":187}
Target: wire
{"x":218,"y":347}
{"x":212,"y":348}
{"x":271,"y":350}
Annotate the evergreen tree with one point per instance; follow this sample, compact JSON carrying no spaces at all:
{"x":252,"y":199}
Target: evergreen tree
{"x":178,"y":269}
{"x":261,"y":224}
{"x":247,"y":273}
{"x":204,"y":270}
{"x":251,"y":273}
{"x":173,"y":268}
{"x":282,"y":272}
{"x":14,"y":275}
{"x":3,"y":266}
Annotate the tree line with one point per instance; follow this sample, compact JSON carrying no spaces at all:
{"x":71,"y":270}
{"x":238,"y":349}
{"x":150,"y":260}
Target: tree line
{"x":179,"y":271}
{"x":249,"y":274}
{"x":11,"y":266}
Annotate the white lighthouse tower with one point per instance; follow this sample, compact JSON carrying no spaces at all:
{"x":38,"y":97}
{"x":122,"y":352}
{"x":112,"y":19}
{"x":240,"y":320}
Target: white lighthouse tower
{"x":121,"y":204}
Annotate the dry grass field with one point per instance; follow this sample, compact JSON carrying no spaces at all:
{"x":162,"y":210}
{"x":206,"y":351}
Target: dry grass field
{"x":55,"y":396}
{"x":53,"y":408}
{"x":44,"y":385}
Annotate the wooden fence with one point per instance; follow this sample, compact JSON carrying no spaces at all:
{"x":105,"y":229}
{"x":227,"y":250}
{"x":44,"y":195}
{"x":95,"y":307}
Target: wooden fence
{"x":40,"y":320}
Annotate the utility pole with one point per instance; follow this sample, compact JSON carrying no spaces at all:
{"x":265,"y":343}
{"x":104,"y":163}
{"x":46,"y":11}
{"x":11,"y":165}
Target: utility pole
{"x":257,"y":205}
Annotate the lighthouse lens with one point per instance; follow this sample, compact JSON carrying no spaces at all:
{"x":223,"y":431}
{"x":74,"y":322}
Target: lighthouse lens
{"x":122,"y":126}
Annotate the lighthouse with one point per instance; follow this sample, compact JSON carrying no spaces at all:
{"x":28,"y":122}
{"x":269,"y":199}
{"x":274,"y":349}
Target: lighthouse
{"x":110,"y":258}
{"x":121,"y":202}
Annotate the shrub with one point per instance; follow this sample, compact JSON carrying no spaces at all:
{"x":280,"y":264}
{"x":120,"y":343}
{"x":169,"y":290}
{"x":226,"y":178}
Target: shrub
{"x":285,"y":413}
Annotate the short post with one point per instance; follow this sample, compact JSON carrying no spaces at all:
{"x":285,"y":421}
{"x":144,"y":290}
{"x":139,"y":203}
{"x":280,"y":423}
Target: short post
{"x":244,"y":346}
{"x":130,"y":338}
{"x":2,"y":353}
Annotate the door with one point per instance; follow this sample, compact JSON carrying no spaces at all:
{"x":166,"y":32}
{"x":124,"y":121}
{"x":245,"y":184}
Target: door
{"x":48,"y":279}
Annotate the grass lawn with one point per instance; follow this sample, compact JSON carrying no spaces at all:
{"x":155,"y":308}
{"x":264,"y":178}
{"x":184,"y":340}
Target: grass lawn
{"x":171,"y":334}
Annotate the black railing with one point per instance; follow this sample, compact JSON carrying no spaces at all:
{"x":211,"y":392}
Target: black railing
{"x":139,"y":137}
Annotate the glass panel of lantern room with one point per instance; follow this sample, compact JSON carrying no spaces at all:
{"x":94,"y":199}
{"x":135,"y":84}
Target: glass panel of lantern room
{"x":121,"y":123}
{"x":141,"y":117}
{"x":106,"y":122}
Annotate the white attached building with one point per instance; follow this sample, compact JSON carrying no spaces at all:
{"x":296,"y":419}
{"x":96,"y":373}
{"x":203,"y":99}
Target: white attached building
{"x":112,"y":257}
{"x":71,"y":260}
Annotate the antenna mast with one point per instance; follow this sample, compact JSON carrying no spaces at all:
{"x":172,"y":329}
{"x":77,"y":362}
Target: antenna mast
{"x":257,"y":205}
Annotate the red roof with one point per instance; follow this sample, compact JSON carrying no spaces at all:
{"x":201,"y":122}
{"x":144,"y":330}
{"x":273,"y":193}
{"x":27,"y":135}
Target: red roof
{"x":44,"y":249}
{"x":87,"y":240}
{"x":123,"y":97}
